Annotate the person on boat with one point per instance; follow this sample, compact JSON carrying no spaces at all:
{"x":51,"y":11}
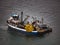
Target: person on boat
{"x":35,"y":23}
{"x":29,"y":27}
{"x":10,"y":20}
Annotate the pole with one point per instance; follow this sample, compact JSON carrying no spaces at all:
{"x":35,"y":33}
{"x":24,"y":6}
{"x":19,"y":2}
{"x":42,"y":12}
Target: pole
{"x":21,"y":16}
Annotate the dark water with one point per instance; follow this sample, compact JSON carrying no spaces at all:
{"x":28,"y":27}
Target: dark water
{"x":49,"y":9}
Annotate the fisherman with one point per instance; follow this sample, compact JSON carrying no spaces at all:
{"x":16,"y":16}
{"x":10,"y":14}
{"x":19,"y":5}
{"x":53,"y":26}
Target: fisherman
{"x":35,"y":24}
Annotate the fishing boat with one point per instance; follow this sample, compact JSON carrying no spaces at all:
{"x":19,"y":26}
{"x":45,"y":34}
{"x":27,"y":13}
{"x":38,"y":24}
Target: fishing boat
{"x":13,"y":27}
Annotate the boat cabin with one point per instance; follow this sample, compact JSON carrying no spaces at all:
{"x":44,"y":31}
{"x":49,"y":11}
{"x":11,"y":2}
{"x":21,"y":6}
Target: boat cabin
{"x":15,"y":17}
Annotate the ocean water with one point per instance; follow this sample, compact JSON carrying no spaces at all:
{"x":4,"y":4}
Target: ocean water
{"x":48,"y":9}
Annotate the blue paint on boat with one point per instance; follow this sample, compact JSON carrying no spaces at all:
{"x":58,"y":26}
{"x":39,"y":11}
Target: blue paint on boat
{"x":23,"y":31}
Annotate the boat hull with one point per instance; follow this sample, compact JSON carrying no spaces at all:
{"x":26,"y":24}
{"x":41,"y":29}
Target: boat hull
{"x":23,"y":31}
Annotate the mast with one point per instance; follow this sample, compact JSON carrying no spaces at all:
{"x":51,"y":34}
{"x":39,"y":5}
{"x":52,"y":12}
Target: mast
{"x":22,"y":16}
